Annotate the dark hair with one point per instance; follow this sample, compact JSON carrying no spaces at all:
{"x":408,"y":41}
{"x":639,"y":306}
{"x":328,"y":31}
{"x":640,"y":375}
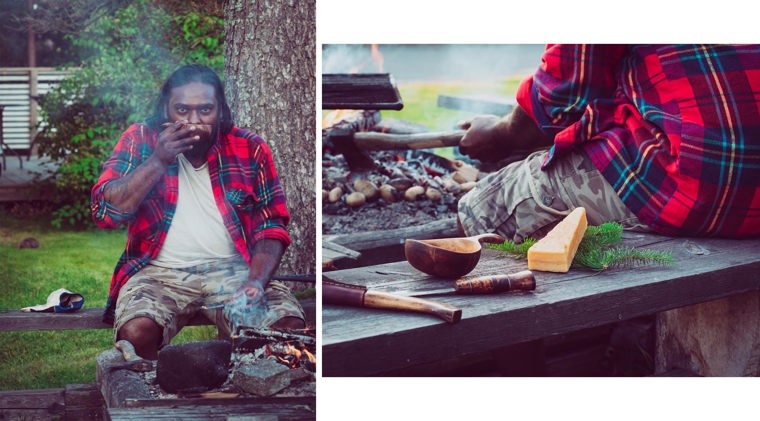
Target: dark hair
{"x":181,"y":77}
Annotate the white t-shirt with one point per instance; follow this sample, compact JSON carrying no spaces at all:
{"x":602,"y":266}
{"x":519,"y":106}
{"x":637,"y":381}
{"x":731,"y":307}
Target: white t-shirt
{"x":197,"y":233}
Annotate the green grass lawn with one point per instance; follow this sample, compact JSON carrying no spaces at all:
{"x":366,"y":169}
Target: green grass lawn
{"x":80,"y":261}
{"x":421,"y":100}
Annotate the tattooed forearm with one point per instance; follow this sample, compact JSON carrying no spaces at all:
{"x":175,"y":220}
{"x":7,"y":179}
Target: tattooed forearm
{"x":128,"y":192}
{"x":266,"y":257}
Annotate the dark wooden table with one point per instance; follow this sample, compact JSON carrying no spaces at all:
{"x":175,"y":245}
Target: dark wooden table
{"x":366,"y":342}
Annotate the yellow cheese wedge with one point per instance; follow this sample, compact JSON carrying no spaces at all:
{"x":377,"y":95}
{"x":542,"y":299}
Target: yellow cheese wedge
{"x":555,"y":252}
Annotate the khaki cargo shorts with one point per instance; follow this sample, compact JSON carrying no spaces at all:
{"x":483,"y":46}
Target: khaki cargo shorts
{"x":171,"y":297}
{"x":521,"y":201}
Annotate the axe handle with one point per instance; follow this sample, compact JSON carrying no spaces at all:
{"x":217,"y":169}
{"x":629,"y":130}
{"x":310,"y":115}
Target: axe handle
{"x":373,"y":141}
{"x":384,"y":300}
{"x":358,"y":296}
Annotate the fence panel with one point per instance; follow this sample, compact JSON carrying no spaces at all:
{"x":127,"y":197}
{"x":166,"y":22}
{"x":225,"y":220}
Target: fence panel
{"x":18,"y":87}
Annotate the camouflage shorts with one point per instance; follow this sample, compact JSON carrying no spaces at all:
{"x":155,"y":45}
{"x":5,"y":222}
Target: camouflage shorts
{"x":521,"y":201}
{"x":171,"y":297}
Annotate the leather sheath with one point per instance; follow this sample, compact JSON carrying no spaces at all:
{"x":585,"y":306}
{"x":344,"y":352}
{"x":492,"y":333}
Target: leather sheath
{"x":334,"y":292}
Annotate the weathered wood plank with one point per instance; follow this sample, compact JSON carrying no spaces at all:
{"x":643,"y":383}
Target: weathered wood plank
{"x":332,"y":253}
{"x":83,"y":402}
{"x":717,"y":338}
{"x":374,"y":239}
{"x":368,"y":341}
{"x":258,"y":412}
{"x":28,"y":414}
{"x":36,"y":404}
{"x":86,"y":318}
{"x":74,"y":402}
{"x":32,"y":399}
{"x":91,"y":318}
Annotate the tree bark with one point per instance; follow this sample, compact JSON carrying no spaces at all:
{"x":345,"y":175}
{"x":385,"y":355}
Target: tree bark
{"x":269,"y":69}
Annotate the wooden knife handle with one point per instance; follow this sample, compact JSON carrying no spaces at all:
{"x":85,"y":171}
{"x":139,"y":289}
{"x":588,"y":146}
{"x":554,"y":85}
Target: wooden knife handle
{"x":488,"y":284}
{"x":378,"y":299}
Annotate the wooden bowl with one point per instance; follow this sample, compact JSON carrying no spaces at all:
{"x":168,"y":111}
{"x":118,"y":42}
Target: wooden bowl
{"x":447,"y":257}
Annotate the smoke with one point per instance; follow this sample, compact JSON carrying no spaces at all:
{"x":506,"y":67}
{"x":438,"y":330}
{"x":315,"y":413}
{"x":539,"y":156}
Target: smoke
{"x":456,"y":69}
{"x":435,"y":62}
{"x":242,"y":313}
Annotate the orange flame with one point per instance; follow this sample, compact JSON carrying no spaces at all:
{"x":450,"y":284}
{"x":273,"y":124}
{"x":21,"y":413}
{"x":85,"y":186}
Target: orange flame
{"x":282,"y":351}
{"x":310,"y":357}
{"x":377,"y":57}
{"x":334,"y":117}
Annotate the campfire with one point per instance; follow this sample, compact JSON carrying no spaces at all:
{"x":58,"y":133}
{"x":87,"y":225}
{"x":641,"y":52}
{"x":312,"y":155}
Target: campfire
{"x":388,"y":165}
{"x":257,"y":363}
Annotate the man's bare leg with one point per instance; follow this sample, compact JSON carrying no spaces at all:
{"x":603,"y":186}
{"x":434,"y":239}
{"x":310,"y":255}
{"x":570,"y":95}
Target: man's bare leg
{"x":144,"y":334}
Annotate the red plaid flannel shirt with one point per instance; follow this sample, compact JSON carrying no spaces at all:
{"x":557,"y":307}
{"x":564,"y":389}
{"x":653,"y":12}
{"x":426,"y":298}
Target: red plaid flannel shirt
{"x":675,"y":129}
{"x":244,"y":183}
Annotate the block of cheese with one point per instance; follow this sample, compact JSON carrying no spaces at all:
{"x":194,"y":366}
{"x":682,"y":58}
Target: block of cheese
{"x":555,"y":252}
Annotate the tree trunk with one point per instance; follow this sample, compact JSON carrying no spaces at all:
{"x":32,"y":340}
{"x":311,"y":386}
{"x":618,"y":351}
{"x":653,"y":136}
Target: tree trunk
{"x":269,"y":69}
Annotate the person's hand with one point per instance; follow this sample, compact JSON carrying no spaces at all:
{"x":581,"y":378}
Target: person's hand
{"x":177,"y":138}
{"x":485,"y":138}
{"x":491,"y":138}
{"x":251,"y":292}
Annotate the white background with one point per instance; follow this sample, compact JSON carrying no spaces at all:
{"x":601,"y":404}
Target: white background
{"x":502,"y":22}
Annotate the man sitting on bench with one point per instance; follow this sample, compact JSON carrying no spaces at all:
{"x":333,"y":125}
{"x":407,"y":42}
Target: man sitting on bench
{"x":657,"y":137}
{"x":206,"y":220}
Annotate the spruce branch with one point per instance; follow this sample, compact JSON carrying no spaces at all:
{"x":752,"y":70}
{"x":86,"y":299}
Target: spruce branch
{"x":621,"y":257}
{"x":519,"y":251}
{"x":596,"y":250}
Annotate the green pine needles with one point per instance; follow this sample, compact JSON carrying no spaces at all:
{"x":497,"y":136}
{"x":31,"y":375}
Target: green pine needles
{"x":597,"y":251}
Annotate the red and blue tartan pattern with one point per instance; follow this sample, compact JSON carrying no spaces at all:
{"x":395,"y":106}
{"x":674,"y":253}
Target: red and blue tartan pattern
{"x":675,"y":129}
{"x":244,"y":182}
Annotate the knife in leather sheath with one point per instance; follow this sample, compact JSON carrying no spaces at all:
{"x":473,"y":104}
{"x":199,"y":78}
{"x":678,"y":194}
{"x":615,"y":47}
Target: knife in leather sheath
{"x":485,"y":284}
{"x":334,"y":292}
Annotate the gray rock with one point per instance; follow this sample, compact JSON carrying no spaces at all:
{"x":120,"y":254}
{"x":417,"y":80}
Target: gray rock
{"x":193,"y":366}
{"x":264,"y":377}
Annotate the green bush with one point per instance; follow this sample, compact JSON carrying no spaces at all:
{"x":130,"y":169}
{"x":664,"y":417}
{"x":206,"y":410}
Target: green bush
{"x":126,"y":56}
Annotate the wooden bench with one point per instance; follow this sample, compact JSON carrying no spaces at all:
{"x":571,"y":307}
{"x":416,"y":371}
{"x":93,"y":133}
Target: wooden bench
{"x":85,"y":401}
{"x":91,"y":318}
{"x":711,"y":292}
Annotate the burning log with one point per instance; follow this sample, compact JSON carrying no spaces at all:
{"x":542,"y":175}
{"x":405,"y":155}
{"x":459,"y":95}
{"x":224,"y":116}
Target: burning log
{"x":264,"y":336}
